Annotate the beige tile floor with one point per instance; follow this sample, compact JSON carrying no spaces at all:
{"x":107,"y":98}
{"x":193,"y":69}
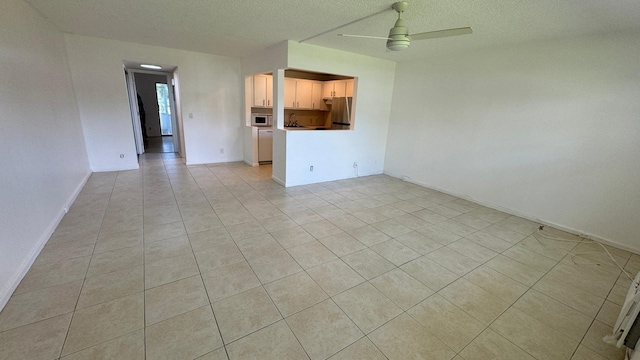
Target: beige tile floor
{"x":218,"y":261}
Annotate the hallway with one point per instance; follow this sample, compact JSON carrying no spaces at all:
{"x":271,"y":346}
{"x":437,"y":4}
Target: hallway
{"x":159,"y":144}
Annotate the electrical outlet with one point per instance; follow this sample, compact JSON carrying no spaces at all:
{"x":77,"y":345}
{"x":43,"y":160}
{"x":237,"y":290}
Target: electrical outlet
{"x":311,"y":168}
{"x":355,"y":164}
{"x":121,"y":156}
{"x":221,"y":150}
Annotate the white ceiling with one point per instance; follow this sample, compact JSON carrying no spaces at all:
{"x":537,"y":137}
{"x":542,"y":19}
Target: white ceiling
{"x":242,"y":27}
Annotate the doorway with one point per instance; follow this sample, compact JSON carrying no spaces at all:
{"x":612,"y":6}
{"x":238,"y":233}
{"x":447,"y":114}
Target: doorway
{"x":164,"y":109}
{"x":152,"y":101}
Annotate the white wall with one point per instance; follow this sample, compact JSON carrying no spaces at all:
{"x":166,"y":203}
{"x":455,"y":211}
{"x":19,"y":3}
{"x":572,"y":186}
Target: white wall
{"x":331,"y":153}
{"x":146,"y":87}
{"x":42,"y":152}
{"x":210,"y":89}
{"x":268,"y":60}
{"x":547,"y":130}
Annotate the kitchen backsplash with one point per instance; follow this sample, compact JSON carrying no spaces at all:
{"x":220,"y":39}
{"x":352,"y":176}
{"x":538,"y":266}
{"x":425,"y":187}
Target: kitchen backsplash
{"x":303,"y":117}
{"x":307,"y":117}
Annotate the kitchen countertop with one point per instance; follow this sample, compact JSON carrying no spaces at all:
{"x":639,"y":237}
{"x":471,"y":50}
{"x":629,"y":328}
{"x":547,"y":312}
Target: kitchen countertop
{"x":307,"y":128}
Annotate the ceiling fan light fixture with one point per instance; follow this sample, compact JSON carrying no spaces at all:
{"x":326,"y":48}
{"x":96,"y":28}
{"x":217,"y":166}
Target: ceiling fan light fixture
{"x":397,"y":45}
{"x":398,"y":37}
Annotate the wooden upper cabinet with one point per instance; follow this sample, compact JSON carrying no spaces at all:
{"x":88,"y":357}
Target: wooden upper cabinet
{"x":327,"y":89}
{"x":263,"y":91}
{"x":350,"y":88}
{"x":303,"y":94}
{"x":299,"y":93}
{"x":316,"y":96}
{"x":289,"y":93}
{"x":337,"y":88}
{"x":340,"y":89}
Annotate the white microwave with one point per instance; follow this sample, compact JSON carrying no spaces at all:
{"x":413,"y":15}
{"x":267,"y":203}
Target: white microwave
{"x":261,"y":120}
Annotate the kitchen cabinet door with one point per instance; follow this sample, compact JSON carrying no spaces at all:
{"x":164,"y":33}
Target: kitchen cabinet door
{"x":303,"y":94}
{"x":289,"y":93}
{"x":316,"y":96}
{"x":269,"y":91}
{"x":336,"y":88}
{"x":262,"y":91}
{"x":340,"y":89}
{"x":327,"y":89}
{"x":349,"y":88}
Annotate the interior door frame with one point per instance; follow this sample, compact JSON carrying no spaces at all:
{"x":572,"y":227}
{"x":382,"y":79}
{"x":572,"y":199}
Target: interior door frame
{"x":135,"y":114}
{"x":135,"y":111}
{"x":175,"y":129}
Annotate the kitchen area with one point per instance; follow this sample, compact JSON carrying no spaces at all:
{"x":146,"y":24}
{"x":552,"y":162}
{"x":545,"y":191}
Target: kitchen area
{"x":312,"y":102}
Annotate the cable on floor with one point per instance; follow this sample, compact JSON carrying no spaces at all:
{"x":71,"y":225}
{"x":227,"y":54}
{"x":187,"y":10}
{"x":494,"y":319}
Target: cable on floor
{"x":583,"y":241}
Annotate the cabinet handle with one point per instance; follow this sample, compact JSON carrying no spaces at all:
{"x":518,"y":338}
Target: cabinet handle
{"x":268,"y":102}
{"x":262,"y":102}
{"x":298,"y":105}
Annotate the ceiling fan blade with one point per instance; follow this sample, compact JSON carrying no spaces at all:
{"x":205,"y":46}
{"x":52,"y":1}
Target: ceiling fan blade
{"x":345,"y":25}
{"x":365,"y":36}
{"x":441,"y":33}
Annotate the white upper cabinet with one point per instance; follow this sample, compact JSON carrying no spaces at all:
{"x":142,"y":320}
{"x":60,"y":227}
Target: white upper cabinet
{"x":263,"y":91}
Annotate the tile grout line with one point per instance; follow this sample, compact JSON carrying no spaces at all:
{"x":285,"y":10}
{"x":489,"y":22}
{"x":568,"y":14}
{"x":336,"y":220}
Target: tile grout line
{"x":86,"y":272}
{"x":203,"y":284}
{"x":510,"y":306}
{"x":144,"y":268}
{"x":303,"y":269}
{"x":598,"y":312}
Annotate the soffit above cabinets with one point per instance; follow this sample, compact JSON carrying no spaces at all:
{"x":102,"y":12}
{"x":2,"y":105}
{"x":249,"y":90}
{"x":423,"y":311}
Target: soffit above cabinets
{"x":309,"y":75}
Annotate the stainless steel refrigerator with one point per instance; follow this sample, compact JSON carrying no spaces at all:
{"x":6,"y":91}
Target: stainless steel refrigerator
{"x":341,"y":113}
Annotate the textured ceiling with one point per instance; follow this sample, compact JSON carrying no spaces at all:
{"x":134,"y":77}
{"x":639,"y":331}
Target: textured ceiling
{"x":239,"y":28}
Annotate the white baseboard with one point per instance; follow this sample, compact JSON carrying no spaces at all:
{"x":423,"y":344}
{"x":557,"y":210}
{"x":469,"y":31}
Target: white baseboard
{"x":212,"y":162}
{"x":278,"y":180}
{"x":8,"y":289}
{"x":545,"y":222}
{"x":114,"y":168}
{"x":372,"y":173}
{"x":250,"y":163}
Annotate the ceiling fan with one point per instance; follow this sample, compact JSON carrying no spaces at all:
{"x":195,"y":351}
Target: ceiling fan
{"x":399,"y":38}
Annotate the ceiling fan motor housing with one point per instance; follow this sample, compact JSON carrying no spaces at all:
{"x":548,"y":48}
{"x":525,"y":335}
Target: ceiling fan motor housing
{"x":398,"y":37}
